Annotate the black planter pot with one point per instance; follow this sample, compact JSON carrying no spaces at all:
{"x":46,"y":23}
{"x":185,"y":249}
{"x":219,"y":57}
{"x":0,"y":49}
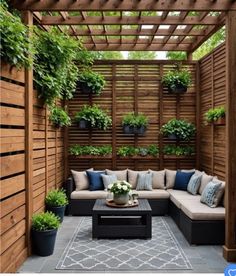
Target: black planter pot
{"x":58,"y":211}
{"x":179,"y":89}
{"x":172,"y":137}
{"x":85,"y":88}
{"x":128,"y":129}
{"x":43,"y":242}
{"x":83,"y":124}
{"x":140,"y":130}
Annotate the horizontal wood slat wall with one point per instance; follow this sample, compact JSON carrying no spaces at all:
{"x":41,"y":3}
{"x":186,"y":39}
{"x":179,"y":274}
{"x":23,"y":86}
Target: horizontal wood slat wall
{"x":133,"y":86}
{"x":213,"y":94}
{"x":48,"y":166}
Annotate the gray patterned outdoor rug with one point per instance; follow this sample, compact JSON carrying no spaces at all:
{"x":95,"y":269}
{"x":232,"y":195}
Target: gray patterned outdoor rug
{"x":123,"y":255}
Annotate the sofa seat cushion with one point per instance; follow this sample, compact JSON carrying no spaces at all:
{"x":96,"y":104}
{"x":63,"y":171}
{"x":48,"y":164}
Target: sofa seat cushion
{"x":196,"y":210}
{"x":86,"y":194}
{"x":177,"y":197}
{"x":154,"y":194}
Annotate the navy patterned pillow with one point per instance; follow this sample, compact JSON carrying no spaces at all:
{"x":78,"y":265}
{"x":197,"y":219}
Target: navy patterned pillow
{"x":209,"y":193}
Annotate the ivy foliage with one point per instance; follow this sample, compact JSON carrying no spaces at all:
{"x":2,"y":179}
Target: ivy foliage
{"x":135,"y":120}
{"x":59,"y":116}
{"x":178,"y":150}
{"x":214,"y":114}
{"x":15,"y":43}
{"x":55,"y":71}
{"x":79,"y":150}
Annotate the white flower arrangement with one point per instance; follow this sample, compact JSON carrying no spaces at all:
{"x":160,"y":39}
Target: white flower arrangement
{"x":120,"y":187}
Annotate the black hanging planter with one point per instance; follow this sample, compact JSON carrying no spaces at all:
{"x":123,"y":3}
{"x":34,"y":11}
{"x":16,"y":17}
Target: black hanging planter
{"x":172,"y":137}
{"x":140,"y":130}
{"x":43,"y":242}
{"x":83,"y":124}
{"x":128,"y":129}
{"x":179,"y":89}
{"x":85,"y":88}
{"x":57,"y":210}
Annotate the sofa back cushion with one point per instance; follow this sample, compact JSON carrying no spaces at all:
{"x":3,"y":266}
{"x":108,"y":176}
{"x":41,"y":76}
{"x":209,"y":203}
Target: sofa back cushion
{"x":121,"y":175}
{"x":182,"y":180}
{"x":158,"y":179}
{"x":95,"y":180}
{"x":81,"y":180}
{"x":204,"y":181}
{"x":170,"y":178}
{"x":133,"y":176}
{"x":144,"y":181}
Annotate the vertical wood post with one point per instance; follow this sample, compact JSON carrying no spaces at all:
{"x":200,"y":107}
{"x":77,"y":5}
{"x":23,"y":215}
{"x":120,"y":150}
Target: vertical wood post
{"x":46,"y":149}
{"x":66,"y":145}
{"x":198,"y":116}
{"x":229,"y":249}
{"x":135,"y":107}
{"x":189,"y":56}
{"x":113,"y":117}
{"x":27,"y":18}
{"x":161,"y":166}
{"x":212,"y":106}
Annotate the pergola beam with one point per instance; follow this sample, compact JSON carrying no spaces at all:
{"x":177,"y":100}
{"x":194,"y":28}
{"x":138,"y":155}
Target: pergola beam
{"x":136,"y":5}
{"x":137,"y":47}
{"x":128,"y":20}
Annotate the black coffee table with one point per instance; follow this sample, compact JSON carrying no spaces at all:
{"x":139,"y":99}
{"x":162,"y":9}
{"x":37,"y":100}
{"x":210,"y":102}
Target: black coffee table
{"x":131,"y":222}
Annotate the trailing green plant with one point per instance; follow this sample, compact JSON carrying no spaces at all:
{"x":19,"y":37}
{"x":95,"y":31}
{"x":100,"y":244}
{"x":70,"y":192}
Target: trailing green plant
{"x":124,"y":151}
{"x":45,"y":221}
{"x":16,"y":48}
{"x":178,"y":150}
{"x":95,"y":116}
{"x":214,"y":114}
{"x":55,"y":73}
{"x":127,"y":151}
{"x":79,"y":150}
{"x":59,"y":116}
{"x":56,"y":198}
{"x":181,"y":128}
{"x":94,"y":81}
{"x":177,"y":77}
{"x":135,"y":120}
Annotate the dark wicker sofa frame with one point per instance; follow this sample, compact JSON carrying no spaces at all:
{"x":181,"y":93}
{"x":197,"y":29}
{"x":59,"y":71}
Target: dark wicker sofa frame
{"x":195,"y":231}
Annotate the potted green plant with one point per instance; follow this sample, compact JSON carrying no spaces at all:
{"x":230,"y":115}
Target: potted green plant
{"x":44,"y":231}
{"x":125,"y":151}
{"x":59,"y":117}
{"x":91,"y":82}
{"x":177,"y":81}
{"x":120,"y":190}
{"x":178,"y":129}
{"x":79,"y":150}
{"x":56,"y":201}
{"x":134,"y":123}
{"x":93,"y":116}
{"x":178,"y":150}
{"x":216,"y":116}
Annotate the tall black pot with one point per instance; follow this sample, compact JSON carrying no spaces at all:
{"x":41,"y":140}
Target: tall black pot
{"x":57,"y":210}
{"x":43,"y":242}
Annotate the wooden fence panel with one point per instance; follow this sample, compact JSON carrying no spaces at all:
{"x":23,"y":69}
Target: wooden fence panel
{"x":48,"y":148}
{"x":133,"y":86}
{"x":213,"y":94}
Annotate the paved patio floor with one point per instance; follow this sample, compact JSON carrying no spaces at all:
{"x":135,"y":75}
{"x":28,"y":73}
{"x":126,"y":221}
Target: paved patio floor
{"x":204,"y":259}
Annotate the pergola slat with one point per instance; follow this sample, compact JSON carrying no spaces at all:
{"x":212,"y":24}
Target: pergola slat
{"x":111,"y":5}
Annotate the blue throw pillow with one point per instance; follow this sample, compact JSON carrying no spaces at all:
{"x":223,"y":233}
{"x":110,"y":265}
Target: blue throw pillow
{"x":181,"y":180}
{"x":95,"y":180}
{"x":209,"y":194}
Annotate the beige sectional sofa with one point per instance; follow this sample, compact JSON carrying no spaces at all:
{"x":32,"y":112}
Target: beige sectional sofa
{"x":199,"y":223}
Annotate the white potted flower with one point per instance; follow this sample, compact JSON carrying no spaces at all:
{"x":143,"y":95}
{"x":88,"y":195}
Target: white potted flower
{"x":120,"y":190}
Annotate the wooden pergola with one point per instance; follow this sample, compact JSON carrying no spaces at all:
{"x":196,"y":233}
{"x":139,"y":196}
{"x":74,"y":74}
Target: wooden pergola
{"x":136,"y":25}
{"x":170,"y":25}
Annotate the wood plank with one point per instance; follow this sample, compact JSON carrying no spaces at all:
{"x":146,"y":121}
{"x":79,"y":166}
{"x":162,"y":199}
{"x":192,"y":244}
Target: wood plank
{"x":9,"y":72}
{"x":12,"y":185}
{"x":11,"y":144}
{"x":12,"y":116}
{"x":12,"y":164}
{"x":12,"y":203}
{"x":12,"y":93}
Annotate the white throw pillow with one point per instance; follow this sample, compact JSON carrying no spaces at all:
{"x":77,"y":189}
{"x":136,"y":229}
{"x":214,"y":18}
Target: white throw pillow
{"x":121,"y":175}
{"x":204,"y":181}
{"x":170,"y":178}
{"x":133,"y":176}
{"x":158,"y":179}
